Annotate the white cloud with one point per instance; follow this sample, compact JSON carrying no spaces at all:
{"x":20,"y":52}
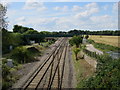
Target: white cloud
{"x":91,"y":5}
{"x":86,"y":13}
{"x":83,"y":18}
{"x":64,"y":8}
{"x":76,"y":8}
{"x":88,"y":10}
{"x":101,"y":19}
{"x":39,"y":6}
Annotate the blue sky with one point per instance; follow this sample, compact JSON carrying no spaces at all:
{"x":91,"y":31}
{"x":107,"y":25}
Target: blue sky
{"x":63,"y":16}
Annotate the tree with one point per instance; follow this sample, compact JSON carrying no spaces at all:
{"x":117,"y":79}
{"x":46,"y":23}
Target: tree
{"x":76,"y":51}
{"x":31,"y":32}
{"x":3,"y":23}
{"x":86,"y":36}
{"x":76,"y":40}
{"x":45,"y":32}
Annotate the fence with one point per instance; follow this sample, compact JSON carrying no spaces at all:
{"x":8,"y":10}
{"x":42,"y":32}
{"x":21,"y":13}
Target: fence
{"x":91,"y":54}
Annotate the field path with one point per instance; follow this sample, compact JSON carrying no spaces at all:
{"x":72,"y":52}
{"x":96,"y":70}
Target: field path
{"x":89,"y":59}
{"x":91,"y":48}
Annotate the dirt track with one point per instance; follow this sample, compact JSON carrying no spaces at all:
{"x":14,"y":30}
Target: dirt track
{"x":91,"y":48}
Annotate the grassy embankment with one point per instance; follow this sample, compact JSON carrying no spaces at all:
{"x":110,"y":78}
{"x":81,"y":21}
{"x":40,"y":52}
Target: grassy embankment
{"x":83,"y":69}
{"x":105,"y":76}
{"x":107,"y":73}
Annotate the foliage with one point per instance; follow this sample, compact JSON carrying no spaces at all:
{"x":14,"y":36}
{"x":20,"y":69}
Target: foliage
{"x":22,"y":55}
{"x":31,"y":32}
{"x":45,"y":33}
{"x":104,"y":32}
{"x":76,"y":40}
{"x":90,"y":41}
{"x":21,"y":29}
{"x":6,"y":77}
{"x":86,"y":36}
{"x":14,"y":39}
{"x":76,"y":51}
{"x":104,"y":47}
{"x":3,"y":22}
{"x":107,"y":74}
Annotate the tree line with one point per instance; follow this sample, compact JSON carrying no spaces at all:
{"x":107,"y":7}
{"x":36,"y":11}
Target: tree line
{"x":26,"y":30}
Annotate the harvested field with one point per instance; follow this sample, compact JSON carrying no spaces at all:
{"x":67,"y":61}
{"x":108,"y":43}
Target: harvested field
{"x":110,"y":40}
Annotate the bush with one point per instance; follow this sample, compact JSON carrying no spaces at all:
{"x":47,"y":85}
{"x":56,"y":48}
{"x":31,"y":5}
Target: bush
{"x":91,"y":41}
{"x":22,"y":55}
{"x":6,"y":77}
{"x":107,"y":74}
{"x":76,"y":40}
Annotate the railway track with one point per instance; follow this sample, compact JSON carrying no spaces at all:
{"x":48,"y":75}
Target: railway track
{"x":50,"y":73}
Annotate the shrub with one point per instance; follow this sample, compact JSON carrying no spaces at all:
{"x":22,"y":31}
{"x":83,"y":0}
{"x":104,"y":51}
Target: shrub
{"x":76,"y":40}
{"x":76,"y":51}
{"x":107,"y":74}
{"x":91,"y":41}
{"x":21,"y":55}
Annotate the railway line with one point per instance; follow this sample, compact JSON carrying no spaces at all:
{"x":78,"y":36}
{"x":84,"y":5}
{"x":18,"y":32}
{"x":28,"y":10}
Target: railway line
{"x":51,"y":73}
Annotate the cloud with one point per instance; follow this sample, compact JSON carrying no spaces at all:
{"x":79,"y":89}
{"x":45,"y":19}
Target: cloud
{"x":100,"y":19}
{"x":87,"y":13}
{"x":91,"y":5}
{"x":76,"y":8}
{"x":39,"y":6}
{"x":87,"y":10}
{"x":63,"y":9}
{"x":89,"y":16}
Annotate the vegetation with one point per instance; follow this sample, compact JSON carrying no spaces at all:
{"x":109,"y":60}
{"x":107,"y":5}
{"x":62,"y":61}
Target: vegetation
{"x":107,"y":74}
{"x":86,"y":36}
{"x":7,"y":77}
{"x":3,"y":22}
{"x":76,"y":40}
{"x":104,"y":32}
{"x":76,"y":51}
{"x":104,"y":47}
{"x":82,"y":68}
{"x":23,"y":54}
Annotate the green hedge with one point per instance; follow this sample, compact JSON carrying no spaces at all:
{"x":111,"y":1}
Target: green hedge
{"x":107,"y":73}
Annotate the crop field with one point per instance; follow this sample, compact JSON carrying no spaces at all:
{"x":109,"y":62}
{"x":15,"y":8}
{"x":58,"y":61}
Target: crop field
{"x":110,"y":40}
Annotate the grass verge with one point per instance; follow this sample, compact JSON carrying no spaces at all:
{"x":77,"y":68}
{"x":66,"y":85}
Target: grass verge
{"x":83,"y":70}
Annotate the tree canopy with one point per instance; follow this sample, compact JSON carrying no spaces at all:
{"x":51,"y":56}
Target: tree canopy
{"x":76,"y":40}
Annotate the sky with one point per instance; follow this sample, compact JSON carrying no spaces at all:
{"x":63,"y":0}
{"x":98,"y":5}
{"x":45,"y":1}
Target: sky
{"x":63,"y":16}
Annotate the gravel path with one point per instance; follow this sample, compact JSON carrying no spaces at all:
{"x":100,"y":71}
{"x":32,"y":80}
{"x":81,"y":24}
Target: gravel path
{"x":72,"y":78}
{"x":91,"y":48}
